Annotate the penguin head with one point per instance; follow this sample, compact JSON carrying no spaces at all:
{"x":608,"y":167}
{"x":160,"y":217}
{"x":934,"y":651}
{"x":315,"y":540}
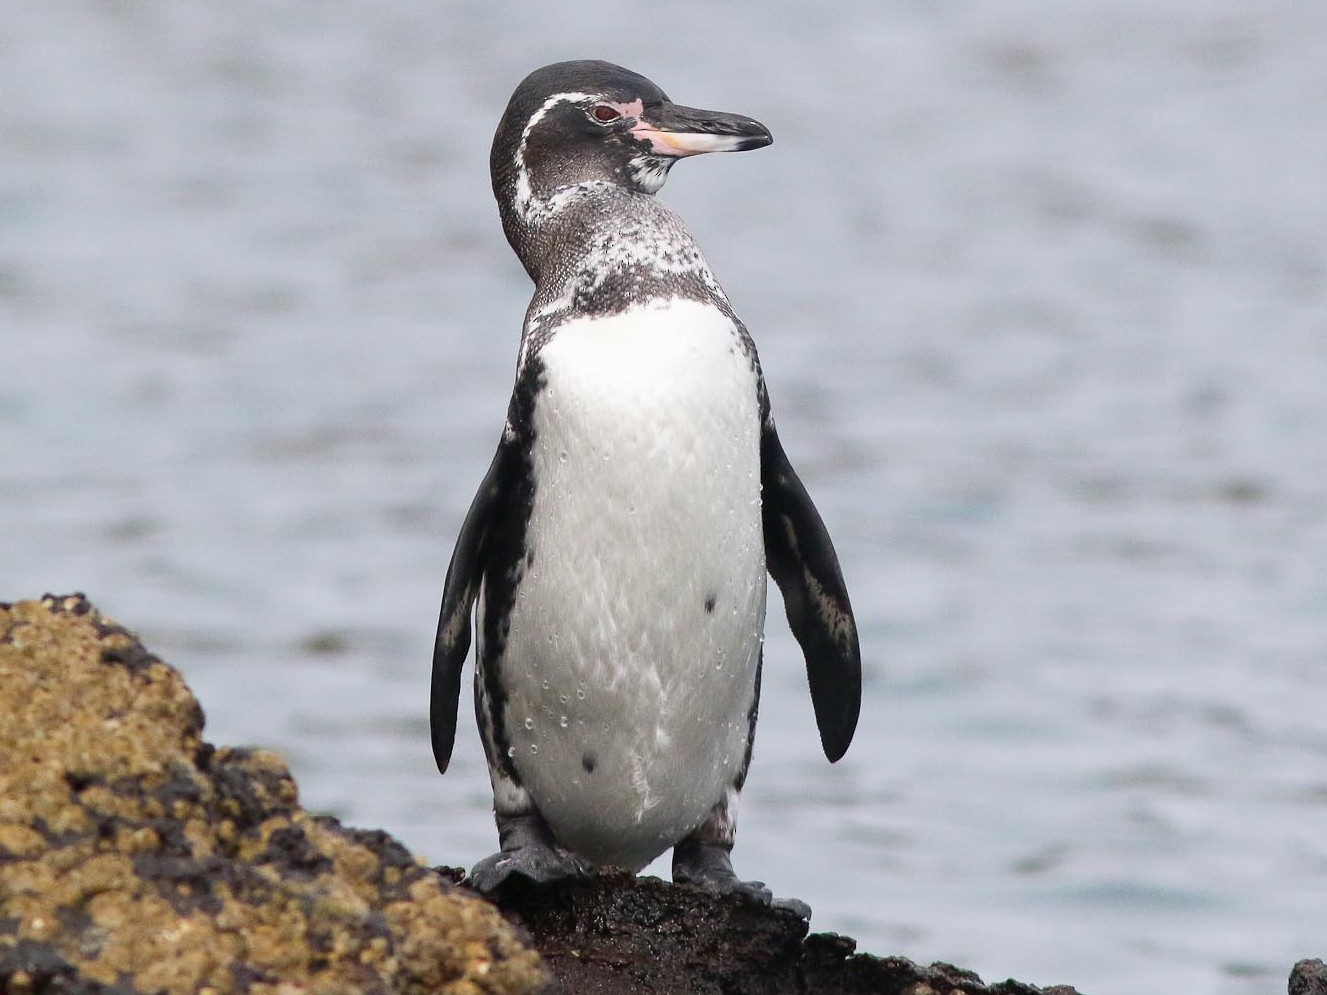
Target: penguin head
{"x":571,"y":125}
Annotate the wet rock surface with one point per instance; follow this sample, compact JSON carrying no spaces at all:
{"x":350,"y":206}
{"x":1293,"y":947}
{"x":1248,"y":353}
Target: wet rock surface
{"x":616,"y":934}
{"x":134,"y":857}
{"x":1309,"y":977}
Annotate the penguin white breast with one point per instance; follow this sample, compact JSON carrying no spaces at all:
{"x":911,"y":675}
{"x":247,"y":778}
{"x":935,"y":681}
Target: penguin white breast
{"x":635,"y":635}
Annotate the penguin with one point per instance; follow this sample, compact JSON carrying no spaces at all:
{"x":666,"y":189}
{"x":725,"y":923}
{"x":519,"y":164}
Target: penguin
{"x":615,"y":556}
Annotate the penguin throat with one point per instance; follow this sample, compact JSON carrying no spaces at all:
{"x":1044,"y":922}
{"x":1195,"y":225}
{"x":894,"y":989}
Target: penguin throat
{"x":649,"y":172}
{"x":602,"y":256}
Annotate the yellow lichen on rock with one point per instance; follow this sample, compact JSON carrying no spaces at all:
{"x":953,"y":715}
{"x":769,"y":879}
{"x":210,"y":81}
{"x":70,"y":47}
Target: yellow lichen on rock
{"x":134,"y":854}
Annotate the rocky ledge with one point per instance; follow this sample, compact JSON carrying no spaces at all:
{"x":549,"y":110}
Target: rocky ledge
{"x":619,"y":935}
{"x":134,"y":857}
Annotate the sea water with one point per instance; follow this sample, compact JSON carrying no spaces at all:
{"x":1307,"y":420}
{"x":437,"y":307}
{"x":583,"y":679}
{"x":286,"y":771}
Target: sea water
{"x":1041,"y":296}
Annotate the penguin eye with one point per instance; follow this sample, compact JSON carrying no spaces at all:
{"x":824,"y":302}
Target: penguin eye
{"x":603,"y":113}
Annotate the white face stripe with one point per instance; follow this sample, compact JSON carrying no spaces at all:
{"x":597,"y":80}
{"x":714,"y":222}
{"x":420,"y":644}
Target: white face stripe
{"x":527,"y":205}
{"x":570,"y":97}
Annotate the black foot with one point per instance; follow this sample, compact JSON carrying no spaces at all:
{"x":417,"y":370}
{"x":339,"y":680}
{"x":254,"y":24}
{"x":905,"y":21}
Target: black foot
{"x":538,"y":863}
{"x":708,"y":865}
{"x":528,"y":849}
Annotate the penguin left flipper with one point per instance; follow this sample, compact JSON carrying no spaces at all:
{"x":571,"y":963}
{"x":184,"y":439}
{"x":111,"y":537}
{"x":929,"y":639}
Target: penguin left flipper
{"x":458,"y":598}
{"x":800,"y":557}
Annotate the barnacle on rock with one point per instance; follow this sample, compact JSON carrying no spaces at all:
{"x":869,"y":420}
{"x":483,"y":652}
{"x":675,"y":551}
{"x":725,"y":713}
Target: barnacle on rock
{"x":136,"y":857}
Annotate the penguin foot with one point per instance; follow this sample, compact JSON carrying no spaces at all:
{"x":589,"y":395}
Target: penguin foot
{"x":540,"y":864}
{"x":709,"y":866}
{"x":528,"y":850}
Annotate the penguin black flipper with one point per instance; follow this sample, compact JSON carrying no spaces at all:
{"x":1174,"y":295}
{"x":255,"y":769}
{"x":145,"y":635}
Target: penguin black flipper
{"x":800,"y":557}
{"x":469,"y":560}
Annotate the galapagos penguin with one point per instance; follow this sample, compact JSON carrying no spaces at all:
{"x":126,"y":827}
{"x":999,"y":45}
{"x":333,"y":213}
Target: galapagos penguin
{"x":618,"y":545}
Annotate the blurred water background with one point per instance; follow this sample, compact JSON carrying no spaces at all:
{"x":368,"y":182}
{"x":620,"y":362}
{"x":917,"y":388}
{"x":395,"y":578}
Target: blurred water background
{"x":1041,"y":295}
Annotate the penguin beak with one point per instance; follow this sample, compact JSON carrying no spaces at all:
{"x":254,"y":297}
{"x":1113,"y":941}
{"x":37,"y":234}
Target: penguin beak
{"x":676,"y":131}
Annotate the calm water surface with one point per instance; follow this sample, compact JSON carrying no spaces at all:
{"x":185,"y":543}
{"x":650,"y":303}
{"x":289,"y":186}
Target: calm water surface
{"x":1041,"y":294}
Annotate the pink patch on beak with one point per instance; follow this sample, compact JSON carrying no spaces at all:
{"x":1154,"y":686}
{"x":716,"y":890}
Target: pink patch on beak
{"x":677,"y":144}
{"x":669,"y":143}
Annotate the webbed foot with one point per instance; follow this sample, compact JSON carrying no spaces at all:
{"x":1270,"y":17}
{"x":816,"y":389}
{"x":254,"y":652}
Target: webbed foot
{"x":709,"y":866}
{"x":539,"y":863}
{"x":528,"y":850}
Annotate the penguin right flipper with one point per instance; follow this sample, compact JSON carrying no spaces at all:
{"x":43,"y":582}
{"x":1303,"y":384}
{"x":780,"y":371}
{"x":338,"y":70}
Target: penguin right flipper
{"x":458,"y":598}
{"x":800,"y":557}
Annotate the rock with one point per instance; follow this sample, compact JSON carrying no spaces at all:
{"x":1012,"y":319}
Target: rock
{"x":1309,"y":977}
{"x":616,"y":934}
{"x":134,"y":857}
